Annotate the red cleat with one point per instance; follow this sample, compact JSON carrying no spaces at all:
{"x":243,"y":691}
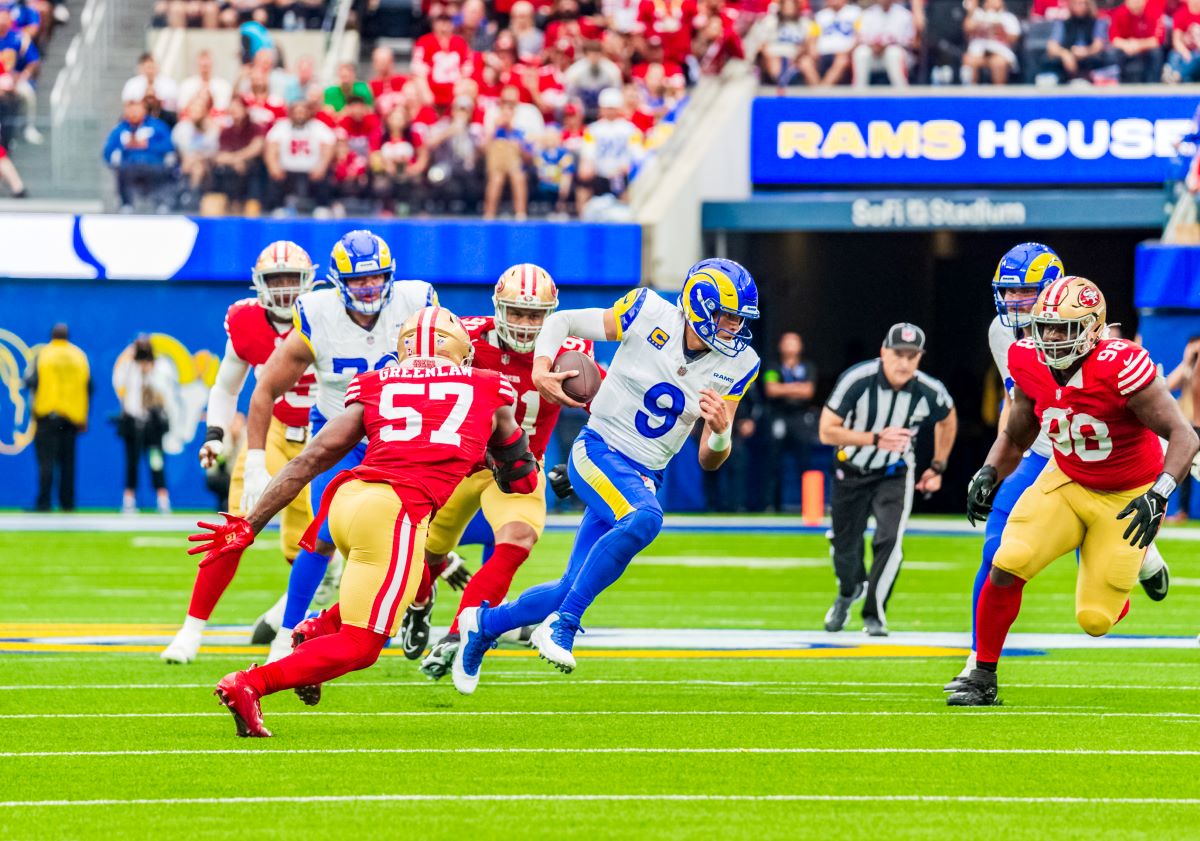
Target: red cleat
{"x":308,"y":629}
{"x":236,"y":693}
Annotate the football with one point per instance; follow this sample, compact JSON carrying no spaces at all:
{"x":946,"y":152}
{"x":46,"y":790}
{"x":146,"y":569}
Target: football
{"x":584,"y":385}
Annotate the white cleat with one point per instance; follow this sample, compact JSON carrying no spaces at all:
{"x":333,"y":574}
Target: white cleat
{"x":183,"y":648}
{"x":331,"y":583}
{"x":543,"y":640}
{"x":472,"y":647}
{"x":281,"y":646}
{"x":266,"y":627}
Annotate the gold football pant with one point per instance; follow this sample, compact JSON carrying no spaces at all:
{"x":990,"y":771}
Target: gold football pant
{"x":295,"y":518}
{"x":479,"y":490}
{"x":1056,"y":515}
{"x":384,"y":551}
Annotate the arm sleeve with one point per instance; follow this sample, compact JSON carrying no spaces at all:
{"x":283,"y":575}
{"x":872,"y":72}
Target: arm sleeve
{"x":222,"y":399}
{"x":583,"y":324}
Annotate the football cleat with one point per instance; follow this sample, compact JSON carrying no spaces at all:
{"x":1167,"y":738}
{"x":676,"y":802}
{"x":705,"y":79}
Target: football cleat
{"x":978,"y":690}
{"x":522,"y":636}
{"x":839,"y":612}
{"x":328,"y":589}
{"x":281,"y":646}
{"x":183,"y":648}
{"x":1154,"y":575}
{"x":960,"y":679}
{"x":555,"y":639}
{"x":473,"y":644}
{"x":874,"y":626}
{"x":267,"y":625}
{"x":242,"y":700}
{"x":414,"y":628}
{"x":440,"y":659}
{"x":310,"y":694}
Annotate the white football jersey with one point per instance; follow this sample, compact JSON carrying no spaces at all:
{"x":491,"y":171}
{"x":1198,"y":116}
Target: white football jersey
{"x":1000,"y":339}
{"x":342,"y":349}
{"x":650,"y":398}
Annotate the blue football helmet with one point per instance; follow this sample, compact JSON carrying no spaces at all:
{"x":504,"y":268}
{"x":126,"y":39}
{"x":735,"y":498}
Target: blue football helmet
{"x":362,"y":254}
{"x":1029,"y":266}
{"x":715,"y":286}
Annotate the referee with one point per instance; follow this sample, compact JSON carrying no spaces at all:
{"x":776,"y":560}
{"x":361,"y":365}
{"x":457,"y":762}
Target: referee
{"x":871,"y":417}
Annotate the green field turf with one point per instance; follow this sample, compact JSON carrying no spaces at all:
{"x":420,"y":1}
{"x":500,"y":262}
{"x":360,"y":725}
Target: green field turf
{"x":1090,"y":743}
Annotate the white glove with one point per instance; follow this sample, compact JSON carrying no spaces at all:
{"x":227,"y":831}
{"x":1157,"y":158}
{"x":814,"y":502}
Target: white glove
{"x":1196,"y":467}
{"x":211,"y":452}
{"x":255,"y":480}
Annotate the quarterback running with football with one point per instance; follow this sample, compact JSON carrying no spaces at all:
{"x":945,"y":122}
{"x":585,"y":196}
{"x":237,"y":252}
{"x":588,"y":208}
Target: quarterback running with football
{"x":1021,"y":275}
{"x":255,"y":327}
{"x":525,"y":295}
{"x":340,"y":332}
{"x":676,"y":364}
{"x":428,"y":420}
{"x":1104,"y":408}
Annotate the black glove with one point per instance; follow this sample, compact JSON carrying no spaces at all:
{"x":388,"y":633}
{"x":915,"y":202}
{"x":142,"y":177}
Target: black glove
{"x":455,"y":572}
{"x":560,"y":482}
{"x":1147,"y":512}
{"x":980,"y":493}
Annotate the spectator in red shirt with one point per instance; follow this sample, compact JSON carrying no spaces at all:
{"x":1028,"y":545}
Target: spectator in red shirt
{"x":636,"y":111}
{"x":264,"y":108}
{"x":237,"y":168}
{"x":399,"y":159}
{"x":1185,"y":42}
{"x":1137,"y":32}
{"x":350,"y":178}
{"x":672,"y":21}
{"x":357,"y":124}
{"x":672,"y":71}
{"x":440,"y":57}
{"x":716,"y":43}
{"x":386,"y":83}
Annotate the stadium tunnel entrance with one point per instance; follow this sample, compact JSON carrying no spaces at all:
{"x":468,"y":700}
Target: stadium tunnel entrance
{"x":841,"y":290}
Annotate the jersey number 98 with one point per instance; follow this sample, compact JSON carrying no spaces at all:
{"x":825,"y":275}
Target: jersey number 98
{"x":666,"y":416}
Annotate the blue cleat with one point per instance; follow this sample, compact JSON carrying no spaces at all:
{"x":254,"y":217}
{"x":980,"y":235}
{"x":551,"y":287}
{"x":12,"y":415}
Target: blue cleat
{"x":473,"y":644}
{"x":555,"y":638}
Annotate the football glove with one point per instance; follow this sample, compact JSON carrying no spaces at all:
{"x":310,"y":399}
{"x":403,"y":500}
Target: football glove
{"x":1147,"y":512}
{"x":222,"y":541}
{"x":455,"y":572}
{"x":980,"y":494}
{"x":255,"y":479}
{"x":213,"y":449}
{"x":559,"y":481}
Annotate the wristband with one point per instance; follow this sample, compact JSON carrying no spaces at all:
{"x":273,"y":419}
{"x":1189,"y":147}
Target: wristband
{"x":719,"y":442}
{"x":215,"y":433}
{"x":256,"y":460}
{"x":874,"y":439}
{"x":937,"y":466}
{"x":1164,"y":485}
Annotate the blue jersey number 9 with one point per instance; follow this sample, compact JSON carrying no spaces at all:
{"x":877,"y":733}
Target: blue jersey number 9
{"x":668,"y":414}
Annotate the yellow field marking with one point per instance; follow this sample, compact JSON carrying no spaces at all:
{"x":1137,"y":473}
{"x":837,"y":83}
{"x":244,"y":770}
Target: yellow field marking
{"x":598,"y":654}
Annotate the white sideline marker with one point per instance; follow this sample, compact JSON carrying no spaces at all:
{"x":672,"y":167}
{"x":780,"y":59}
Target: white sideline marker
{"x":959,"y":715}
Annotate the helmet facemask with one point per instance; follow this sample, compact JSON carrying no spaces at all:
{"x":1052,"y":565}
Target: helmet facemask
{"x":367,"y":300}
{"x":1081,"y":336}
{"x":521,"y":337}
{"x":1015,"y":312}
{"x":278,"y":289}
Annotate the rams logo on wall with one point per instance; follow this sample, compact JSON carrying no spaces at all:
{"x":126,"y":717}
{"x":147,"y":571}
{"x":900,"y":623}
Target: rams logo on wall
{"x":190,"y":376}
{"x":16,"y":406}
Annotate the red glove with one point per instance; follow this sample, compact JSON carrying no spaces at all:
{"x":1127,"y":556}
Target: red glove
{"x":222,"y":541}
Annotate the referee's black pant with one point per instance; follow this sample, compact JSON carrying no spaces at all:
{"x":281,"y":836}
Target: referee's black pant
{"x":857,"y":495}
{"x":54,"y":443}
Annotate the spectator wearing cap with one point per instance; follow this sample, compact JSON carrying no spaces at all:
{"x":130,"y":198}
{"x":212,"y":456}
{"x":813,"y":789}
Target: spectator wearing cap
{"x":140,"y":152}
{"x":872,"y":417}
{"x":590,"y":75}
{"x":1138,"y":33}
{"x":440,"y":57}
{"x":348,"y":85}
{"x":835,"y":25}
{"x":886,"y":36}
{"x":399,"y":159}
{"x":612,"y":147}
{"x":204,"y":82}
{"x":1078,"y":44}
{"x":298,"y":154}
{"x":19,"y":62}
{"x":149,"y":85}
{"x":238,"y":165}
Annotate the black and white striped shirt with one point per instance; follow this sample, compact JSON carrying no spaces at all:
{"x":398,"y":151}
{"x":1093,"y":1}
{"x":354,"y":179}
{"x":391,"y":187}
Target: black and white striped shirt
{"x":867,"y":403}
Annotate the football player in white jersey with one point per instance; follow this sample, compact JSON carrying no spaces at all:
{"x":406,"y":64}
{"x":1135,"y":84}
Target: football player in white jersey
{"x":1022,"y":273}
{"x":340,"y":332}
{"x":677,"y":363}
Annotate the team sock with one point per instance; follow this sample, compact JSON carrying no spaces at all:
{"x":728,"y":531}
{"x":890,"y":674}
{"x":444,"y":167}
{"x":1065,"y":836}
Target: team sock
{"x":494,"y":578}
{"x":425,"y":588}
{"x":211,"y":582}
{"x":319,"y":660}
{"x":307,"y":572}
{"x":996,"y":611}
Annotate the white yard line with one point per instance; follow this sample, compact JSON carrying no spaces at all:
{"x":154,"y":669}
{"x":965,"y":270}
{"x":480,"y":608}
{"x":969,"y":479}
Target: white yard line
{"x":988,"y":711}
{"x":584,"y":751}
{"x":571,"y":798}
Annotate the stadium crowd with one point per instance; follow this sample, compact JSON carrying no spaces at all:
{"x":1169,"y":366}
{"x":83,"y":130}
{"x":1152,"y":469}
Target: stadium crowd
{"x":1050,"y":42}
{"x":551,"y":107}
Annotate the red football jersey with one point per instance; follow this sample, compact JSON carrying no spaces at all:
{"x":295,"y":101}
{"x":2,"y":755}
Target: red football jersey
{"x":254,"y":339}
{"x":536,"y":416}
{"x":446,"y":63}
{"x":427,"y":428}
{"x":1097,"y":440}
